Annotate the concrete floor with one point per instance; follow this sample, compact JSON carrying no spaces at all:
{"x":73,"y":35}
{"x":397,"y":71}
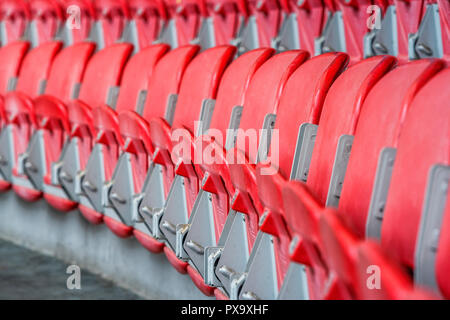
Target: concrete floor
{"x":25,"y":274}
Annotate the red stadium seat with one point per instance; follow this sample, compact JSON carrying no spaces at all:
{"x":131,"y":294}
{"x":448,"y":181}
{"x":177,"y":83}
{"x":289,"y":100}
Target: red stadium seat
{"x":199,"y":83}
{"x":99,"y":86}
{"x":135,"y":129}
{"x":109,"y":140}
{"x":216,"y":184}
{"x":15,"y":18}
{"x":258,"y":102}
{"x":18,"y":111}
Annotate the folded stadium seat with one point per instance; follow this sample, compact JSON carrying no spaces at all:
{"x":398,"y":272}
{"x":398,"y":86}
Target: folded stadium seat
{"x":262,"y":26}
{"x":184,"y":18}
{"x":111,"y":19}
{"x":431,"y":37}
{"x":20,"y":123}
{"x":367,"y":178}
{"x":227,"y":18}
{"x":15,"y":18}
{"x":79,"y":19}
{"x":232,"y":265}
{"x":51,"y":126}
{"x":160,"y":103}
{"x":147,"y":17}
{"x":342,"y":244}
{"x":46,"y":19}
{"x":99,"y":86}
{"x":199,"y":84}
{"x":230,"y":98}
{"x":323,"y":158}
{"x":380,"y":277}
{"x":11,"y":58}
{"x":272,"y":74}
{"x":109,"y":140}
{"x":273,"y":173}
{"x":303,"y":23}
{"x":404,"y":204}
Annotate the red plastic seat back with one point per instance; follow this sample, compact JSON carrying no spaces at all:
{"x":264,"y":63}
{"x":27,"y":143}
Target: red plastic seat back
{"x":443,"y":256}
{"x":264,"y":93}
{"x":47,"y":16}
{"x":11,"y":58}
{"x":340,"y":115}
{"x":424,"y":141}
{"x":15,"y":15}
{"x":103,"y":72}
{"x":201,"y":81}
{"x":68,"y":70}
{"x":79,"y":18}
{"x":36,"y":68}
{"x":302,"y":101}
{"x":171,"y":68}
{"x":234,"y":85}
{"x":136,"y":75}
{"x":112,"y":16}
{"x":379,"y":126}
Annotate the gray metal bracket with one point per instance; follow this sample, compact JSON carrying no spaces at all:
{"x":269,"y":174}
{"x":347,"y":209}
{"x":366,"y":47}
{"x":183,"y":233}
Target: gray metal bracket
{"x":175,"y":212}
{"x":170,"y":108}
{"x":295,"y":282}
{"x":76,"y":90}
{"x":266,"y":136}
{"x":206,"y":113}
{"x":427,"y":42}
{"x":303,"y":151}
{"x":65,"y":35}
{"x":261,"y":273}
{"x":70,"y":168}
{"x":380,"y":192}
{"x":205,"y":38}
{"x":6,"y":153}
{"x":96,"y":35}
{"x":34,"y":162}
{"x":333,"y":36}
{"x":212,"y":255}
{"x":169,"y":34}
{"x":249,"y":39}
{"x":384,"y":40}
{"x":31,"y":34}
{"x":42,"y":86}
{"x":288,"y":38}
{"x":130,"y":35}
{"x":233,"y":126}
{"x":430,"y":226}
{"x":122,"y":195}
{"x":94,"y":178}
{"x":343,"y":150}
{"x":113,"y":94}
{"x":3,"y":34}
{"x":12,"y":84}
{"x":140,"y":105}
{"x":152,"y":204}
{"x":235,"y":254}
{"x":201,"y":233}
